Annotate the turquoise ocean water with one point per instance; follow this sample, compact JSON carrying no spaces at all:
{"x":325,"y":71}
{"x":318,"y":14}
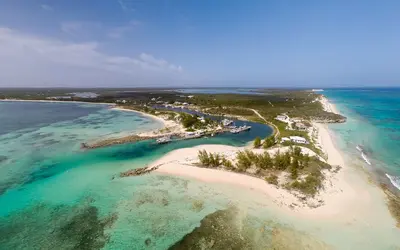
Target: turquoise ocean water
{"x":374,"y":123}
{"x":55,"y":196}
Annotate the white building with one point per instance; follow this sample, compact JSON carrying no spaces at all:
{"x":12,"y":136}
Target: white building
{"x":296,"y":119}
{"x":295,"y":139}
{"x":283,"y":118}
{"x":300,"y":126}
{"x":298,"y":139}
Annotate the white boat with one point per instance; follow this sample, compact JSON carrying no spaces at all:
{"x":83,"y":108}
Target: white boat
{"x":226,"y":122}
{"x":240,"y":129}
{"x":359,"y":148}
{"x":192,"y":135}
{"x":163,"y":140}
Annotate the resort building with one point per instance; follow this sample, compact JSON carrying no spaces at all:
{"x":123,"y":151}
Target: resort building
{"x":283,"y":118}
{"x":295,"y":139}
{"x":298,"y":139}
{"x":300,"y":126}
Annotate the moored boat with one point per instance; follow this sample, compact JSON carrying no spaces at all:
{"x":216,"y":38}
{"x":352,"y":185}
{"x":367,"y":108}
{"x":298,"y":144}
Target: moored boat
{"x":163,"y":140}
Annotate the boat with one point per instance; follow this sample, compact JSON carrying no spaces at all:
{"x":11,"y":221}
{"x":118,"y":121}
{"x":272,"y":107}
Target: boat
{"x":163,"y":140}
{"x":359,"y":148}
{"x":226,"y":122}
{"x":240,"y":129}
{"x":192,"y":135}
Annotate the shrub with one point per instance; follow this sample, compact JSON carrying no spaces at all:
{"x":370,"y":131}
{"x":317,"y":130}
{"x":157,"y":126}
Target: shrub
{"x":209,"y":159}
{"x":272,"y":179}
{"x":310,"y":185}
{"x":269,"y":142}
{"x":294,"y":169}
{"x":264,"y":161}
{"x":253,"y":157}
{"x":243,"y":162}
{"x":227,"y":163}
{"x":257,"y":142}
{"x":204,"y":158}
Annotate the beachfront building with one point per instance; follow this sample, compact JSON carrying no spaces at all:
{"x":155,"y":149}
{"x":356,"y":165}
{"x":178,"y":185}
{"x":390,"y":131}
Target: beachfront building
{"x":298,"y":139}
{"x":301,"y":126}
{"x":295,"y":139}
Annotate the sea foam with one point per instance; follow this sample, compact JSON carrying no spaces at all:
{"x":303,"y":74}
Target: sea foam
{"x":395,"y":180}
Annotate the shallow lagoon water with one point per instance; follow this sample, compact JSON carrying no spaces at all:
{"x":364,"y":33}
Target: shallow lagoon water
{"x":57,"y":196}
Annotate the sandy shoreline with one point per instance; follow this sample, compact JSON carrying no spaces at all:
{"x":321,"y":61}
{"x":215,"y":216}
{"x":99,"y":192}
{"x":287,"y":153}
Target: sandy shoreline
{"x":163,"y":121}
{"x":347,"y":193}
{"x":169,"y":126}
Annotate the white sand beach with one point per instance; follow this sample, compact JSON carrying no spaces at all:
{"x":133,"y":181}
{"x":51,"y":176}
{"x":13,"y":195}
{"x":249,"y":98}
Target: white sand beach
{"x":347,"y":196}
{"x":169,"y":126}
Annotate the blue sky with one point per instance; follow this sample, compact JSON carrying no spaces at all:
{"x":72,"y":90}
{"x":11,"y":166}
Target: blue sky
{"x":129,"y":43}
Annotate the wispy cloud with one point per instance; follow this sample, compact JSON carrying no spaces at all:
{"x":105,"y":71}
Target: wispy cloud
{"x":31,"y":58}
{"x":79,"y":27}
{"x":120,"y":31}
{"x":127,"y":5}
{"x":46,"y":7}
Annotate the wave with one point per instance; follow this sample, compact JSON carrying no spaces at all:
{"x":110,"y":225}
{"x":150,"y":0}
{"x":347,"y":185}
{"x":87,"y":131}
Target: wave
{"x":361,"y":149}
{"x":395,"y":180}
{"x":365,"y":159}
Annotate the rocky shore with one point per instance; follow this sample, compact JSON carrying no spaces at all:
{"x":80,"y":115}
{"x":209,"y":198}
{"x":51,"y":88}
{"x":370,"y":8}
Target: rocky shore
{"x":116,"y":141}
{"x":139,"y":171}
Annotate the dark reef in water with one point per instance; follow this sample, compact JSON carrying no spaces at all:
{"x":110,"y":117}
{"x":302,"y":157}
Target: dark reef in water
{"x":59,"y":227}
{"x":3,"y":158}
{"x":216,"y":231}
{"x":232,"y":229}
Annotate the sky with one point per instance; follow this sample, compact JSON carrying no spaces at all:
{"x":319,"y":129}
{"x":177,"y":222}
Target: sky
{"x":199,"y":43}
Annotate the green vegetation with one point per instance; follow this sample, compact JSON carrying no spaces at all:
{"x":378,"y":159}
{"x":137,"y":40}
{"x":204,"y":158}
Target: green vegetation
{"x":310,"y":185}
{"x":269,"y":142}
{"x":209,"y":159}
{"x":257,"y":142}
{"x":295,"y":103}
{"x":304,"y":171}
{"x":243,"y":161}
{"x":272,"y":179}
{"x":393,"y":203}
{"x":227,"y":164}
{"x":188,"y":120}
{"x":194,"y":122}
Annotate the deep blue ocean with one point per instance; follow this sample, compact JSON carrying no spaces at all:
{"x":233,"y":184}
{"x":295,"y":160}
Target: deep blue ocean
{"x":374,"y":123}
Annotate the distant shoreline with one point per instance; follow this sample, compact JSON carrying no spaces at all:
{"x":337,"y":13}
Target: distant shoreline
{"x":55,"y":101}
{"x":163,"y":121}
